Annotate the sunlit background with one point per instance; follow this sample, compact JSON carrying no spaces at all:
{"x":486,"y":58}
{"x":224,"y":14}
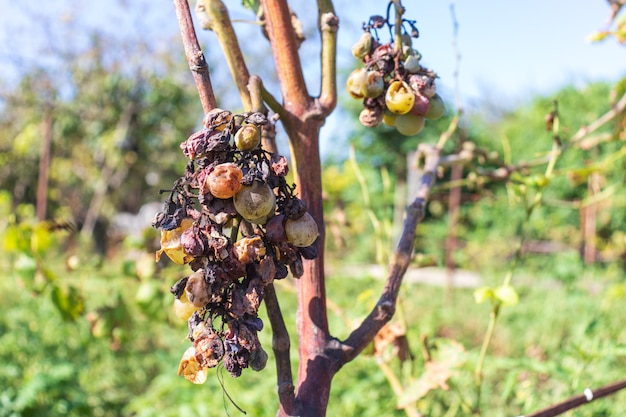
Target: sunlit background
{"x":102,"y":88}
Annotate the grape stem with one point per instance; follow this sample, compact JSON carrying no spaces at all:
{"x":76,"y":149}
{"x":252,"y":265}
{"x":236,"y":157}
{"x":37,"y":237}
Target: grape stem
{"x":398,"y":27}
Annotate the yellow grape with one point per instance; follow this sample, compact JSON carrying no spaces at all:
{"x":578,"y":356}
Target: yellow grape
{"x":399,"y":98}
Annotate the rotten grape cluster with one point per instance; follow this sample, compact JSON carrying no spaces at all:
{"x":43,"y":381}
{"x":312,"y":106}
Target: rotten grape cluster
{"x":238,"y":224}
{"x":395,"y":87}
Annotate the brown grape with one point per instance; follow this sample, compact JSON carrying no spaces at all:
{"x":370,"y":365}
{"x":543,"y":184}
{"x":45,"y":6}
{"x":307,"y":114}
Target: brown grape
{"x":224,"y":181}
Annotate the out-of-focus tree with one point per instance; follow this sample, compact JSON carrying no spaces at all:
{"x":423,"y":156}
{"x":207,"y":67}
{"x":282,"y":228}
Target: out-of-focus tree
{"x":107,"y":123}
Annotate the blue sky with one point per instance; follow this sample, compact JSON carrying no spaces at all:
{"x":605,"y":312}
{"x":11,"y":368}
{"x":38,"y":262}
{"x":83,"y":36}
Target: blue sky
{"x":510,"y":51}
{"x":520,"y":48}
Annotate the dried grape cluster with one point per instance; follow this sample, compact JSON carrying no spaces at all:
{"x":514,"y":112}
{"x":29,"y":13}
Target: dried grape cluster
{"x":394,"y":86}
{"x":238,"y":224}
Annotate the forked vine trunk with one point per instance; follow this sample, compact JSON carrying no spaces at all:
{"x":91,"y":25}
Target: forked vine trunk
{"x":302,"y":116}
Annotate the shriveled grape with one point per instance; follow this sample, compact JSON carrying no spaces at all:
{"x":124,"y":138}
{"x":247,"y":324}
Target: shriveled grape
{"x":224,"y":181}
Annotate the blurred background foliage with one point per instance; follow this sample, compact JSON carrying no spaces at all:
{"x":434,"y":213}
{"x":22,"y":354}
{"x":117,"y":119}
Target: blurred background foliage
{"x":87,"y":326}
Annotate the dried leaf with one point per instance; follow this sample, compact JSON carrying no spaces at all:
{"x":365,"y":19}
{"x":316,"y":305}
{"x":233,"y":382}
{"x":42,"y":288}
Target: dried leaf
{"x":392,"y":334}
{"x":448,"y":357}
{"x":190,"y":368}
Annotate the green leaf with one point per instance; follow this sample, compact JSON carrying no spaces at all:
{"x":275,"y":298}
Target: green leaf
{"x":597,"y":36}
{"x":483,"y":294}
{"x":507,"y":295}
{"x":47,"y":273}
{"x":128,"y":267}
{"x":251,"y":4}
{"x":5,"y":203}
{"x":148,"y":298}
{"x":580,"y":175}
{"x":539,"y":181}
{"x":27,"y":140}
{"x":41,"y":238}
{"x":70,"y":302}
{"x":16,"y":239}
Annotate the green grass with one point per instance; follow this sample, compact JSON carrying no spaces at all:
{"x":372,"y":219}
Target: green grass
{"x":560,"y":339}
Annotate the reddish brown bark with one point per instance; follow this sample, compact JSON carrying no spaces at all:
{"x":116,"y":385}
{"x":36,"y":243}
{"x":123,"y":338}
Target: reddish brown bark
{"x":316,"y":368}
{"x":303,"y":123}
{"x":302,"y":116}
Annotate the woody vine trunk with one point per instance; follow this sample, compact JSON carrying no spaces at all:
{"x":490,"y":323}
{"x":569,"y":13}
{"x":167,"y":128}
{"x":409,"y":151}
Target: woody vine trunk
{"x":302,"y":115}
{"x":303,"y":118}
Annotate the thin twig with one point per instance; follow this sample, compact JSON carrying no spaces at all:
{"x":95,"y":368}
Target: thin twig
{"x":585,"y":131}
{"x":273,"y":103}
{"x":328,"y":26}
{"x":256,"y":95}
{"x":457,"y":58}
{"x":197,"y":64}
{"x":268,"y":134}
{"x":376,"y":223}
{"x":397,"y":38}
{"x":586,"y":397}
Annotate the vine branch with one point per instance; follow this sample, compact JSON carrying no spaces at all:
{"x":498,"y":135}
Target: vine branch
{"x":398,"y":26}
{"x":195,"y":57}
{"x":280,"y":32}
{"x":579,"y":400}
{"x":280,"y":345}
{"x":386,"y":305}
{"x":220,"y":23}
{"x":503,"y":173}
{"x":585,"y":131}
{"x":273,"y":103}
{"x":328,"y":24}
